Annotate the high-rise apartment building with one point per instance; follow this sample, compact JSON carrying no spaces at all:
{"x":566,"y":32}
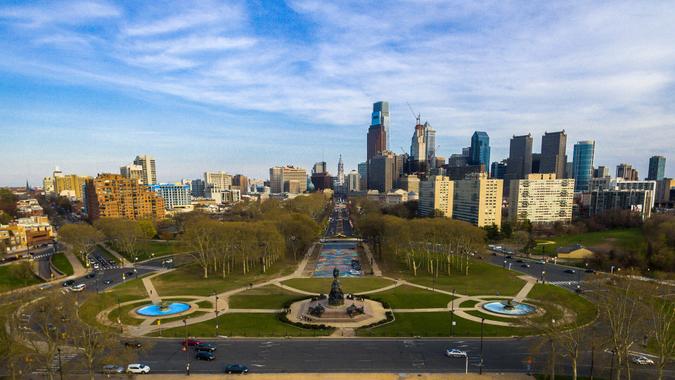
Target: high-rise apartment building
{"x":541,"y":198}
{"x":611,"y":194}
{"x":379,"y":130}
{"x":626,"y":172}
{"x":478,"y":200}
{"x":113,"y":196}
{"x":149,"y":169}
{"x":353,"y":181}
{"x":288,"y":179}
{"x":175,"y":196}
{"x":436,"y":196}
{"x":217,"y":181}
{"x":520,"y":159}
{"x":48,"y":185}
{"x":553,"y":156}
{"x":480,"y":149}
{"x":657,"y":168}
{"x":132,"y":171}
{"x":582,"y":164}
{"x":69,"y":185}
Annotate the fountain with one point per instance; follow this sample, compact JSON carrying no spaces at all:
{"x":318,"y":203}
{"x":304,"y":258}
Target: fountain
{"x":509,"y":307}
{"x":163,"y":309}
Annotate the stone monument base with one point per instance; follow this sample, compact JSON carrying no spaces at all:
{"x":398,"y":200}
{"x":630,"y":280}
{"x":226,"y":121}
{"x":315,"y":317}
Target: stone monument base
{"x":337,"y":316}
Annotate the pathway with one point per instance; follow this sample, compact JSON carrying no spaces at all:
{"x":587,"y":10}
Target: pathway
{"x":78,"y":269}
{"x":373,"y":264}
{"x":150,"y":288}
{"x":529,"y":284}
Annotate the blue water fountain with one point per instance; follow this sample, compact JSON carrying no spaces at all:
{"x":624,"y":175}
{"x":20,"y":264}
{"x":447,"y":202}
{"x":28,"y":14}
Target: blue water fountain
{"x":163,"y":309}
{"x":509,"y":307}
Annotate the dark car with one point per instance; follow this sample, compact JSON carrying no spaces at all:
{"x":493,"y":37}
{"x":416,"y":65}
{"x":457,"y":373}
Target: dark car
{"x":519,"y":261}
{"x":68,"y":283}
{"x":236,"y":368}
{"x":129,"y":274}
{"x":133,"y":344}
{"x":112,"y":369}
{"x":190,"y":342}
{"x":91,"y":275}
{"x":205,"y":347}
{"x":509,"y":257}
{"x":525,"y":265}
{"x":570,"y":271}
{"x":205,"y":355}
{"x":589,"y":270}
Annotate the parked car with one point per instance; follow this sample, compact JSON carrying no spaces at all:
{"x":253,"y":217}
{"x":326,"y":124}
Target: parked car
{"x":455,"y":353}
{"x":112,"y":369}
{"x":107,"y":282}
{"x":190,"y":342}
{"x":205,"y":355}
{"x":78,"y":287}
{"x":642,"y":360}
{"x":129,"y":274}
{"x":519,"y":261}
{"x":508,"y":257}
{"x":205,"y":347}
{"x":68,"y":283}
{"x":589,"y":270}
{"x":525,"y":265}
{"x":91,"y":275}
{"x":570,"y":271}
{"x":133,"y":344}
{"x":236,"y":368}
{"x":138,"y":368}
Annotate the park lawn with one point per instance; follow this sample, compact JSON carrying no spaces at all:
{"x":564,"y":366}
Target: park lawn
{"x":244,"y":325}
{"x":124,"y":316}
{"x":483,"y":279}
{"x":205,"y":304}
{"x":348,"y":284}
{"x":188,"y":280}
{"x":180,"y":318}
{"x":267,"y":297}
{"x":469,"y":303}
{"x":479,"y":314}
{"x":60,"y":261}
{"x":547,"y":293}
{"x":628,"y":238}
{"x":16,"y":275}
{"x":145,"y":249}
{"x":410,"y":297}
{"x":128,"y":291}
{"x":435,"y":324}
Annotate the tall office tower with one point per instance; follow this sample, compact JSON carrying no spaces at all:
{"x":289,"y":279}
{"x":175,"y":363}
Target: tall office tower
{"x":536,"y":162}
{"x":113,"y":196}
{"x":480,"y":149}
{"x":520,"y":159}
{"x":436,"y":195}
{"x":288,"y":179}
{"x":378,"y":133}
{"x":582,"y":164}
{"x":422,"y":148}
{"x":320,"y":178}
{"x":418,"y":147}
{"x":657,"y":168}
{"x":132,"y":171}
{"x":320,"y":167}
{"x":601,"y":172}
{"x":478,"y":200}
{"x":241,"y":183}
{"x":553,"y":156}
{"x":541,"y":198}
{"x":569,"y":170}
{"x":198,"y":186}
{"x":381,"y":172}
{"x":353,"y":181}
{"x":498,"y":170}
{"x":149,"y":170}
{"x":627,"y":172}
{"x":175,"y":196}
{"x":217,"y":181}
{"x":363,"y":174}
{"x":430,"y":138}
{"x":663,"y":190}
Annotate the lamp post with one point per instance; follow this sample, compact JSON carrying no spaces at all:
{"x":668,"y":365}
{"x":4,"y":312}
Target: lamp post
{"x":480,"y":369}
{"x":187,"y":352}
{"x":452,"y":314}
{"x":543,"y":280}
{"x":60,"y":366}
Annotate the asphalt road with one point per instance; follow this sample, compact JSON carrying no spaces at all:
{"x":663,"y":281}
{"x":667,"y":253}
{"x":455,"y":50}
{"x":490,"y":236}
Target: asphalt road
{"x":553,"y":273}
{"x":339,"y":222}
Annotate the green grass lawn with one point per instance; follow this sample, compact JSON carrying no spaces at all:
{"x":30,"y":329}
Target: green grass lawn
{"x":409,"y":297}
{"x":483,"y":279}
{"x":146,"y":248}
{"x":188,"y":280}
{"x":17,"y":275}
{"x":546,"y":293}
{"x":349,"y":284}
{"x":629,"y":238}
{"x":205,"y":304}
{"x":479,"y":314}
{"x":268,"y":297}
{"x":435,"y":325}
{"x":60,"y":261}
{"x":95,"y":303}
{"x":469,"y":303}
{"x":248,"y":325}
{"x":124,"y":316}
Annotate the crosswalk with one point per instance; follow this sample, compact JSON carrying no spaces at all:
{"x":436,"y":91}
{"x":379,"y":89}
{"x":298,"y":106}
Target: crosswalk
{"x":41,"y":256}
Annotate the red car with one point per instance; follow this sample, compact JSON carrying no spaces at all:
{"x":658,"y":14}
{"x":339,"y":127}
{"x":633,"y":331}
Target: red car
{"x":190,"y":342}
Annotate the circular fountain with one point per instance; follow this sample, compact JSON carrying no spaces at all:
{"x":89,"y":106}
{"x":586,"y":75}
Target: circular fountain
{"x":509,"y":307}
{"x":163,"y":309}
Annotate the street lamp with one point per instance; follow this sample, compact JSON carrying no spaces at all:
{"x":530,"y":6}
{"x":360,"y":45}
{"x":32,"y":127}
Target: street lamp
{"x":187,"y":352}
{"x":543,"y":280}
{"x":452,"y":314}
{"x":480,"y":369}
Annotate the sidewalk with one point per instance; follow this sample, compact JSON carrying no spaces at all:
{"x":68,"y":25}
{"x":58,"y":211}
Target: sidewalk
{"x":78,"y":269}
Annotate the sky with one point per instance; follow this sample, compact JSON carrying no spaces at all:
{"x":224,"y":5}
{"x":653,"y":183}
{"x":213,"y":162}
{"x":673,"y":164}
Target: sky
{"x":244,"y":86}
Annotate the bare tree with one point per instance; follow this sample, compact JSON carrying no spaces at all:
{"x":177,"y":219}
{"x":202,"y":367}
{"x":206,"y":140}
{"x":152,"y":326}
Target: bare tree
{"x":80,"y":238}
{"x":661,"y":322}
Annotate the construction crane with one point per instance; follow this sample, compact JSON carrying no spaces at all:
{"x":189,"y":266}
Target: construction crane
{"x":417,"y":117}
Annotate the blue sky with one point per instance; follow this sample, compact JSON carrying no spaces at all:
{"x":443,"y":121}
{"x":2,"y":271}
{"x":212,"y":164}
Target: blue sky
{"x":242,"y":86}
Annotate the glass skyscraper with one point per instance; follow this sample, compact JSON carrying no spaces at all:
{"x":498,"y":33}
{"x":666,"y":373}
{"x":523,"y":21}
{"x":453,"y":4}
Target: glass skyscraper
{"x":657,"y":168}
{"x":480,"y":149}
{"x":582,"y":164}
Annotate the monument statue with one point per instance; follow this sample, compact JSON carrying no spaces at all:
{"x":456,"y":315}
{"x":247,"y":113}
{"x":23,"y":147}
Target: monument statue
{"x":336,"y":297}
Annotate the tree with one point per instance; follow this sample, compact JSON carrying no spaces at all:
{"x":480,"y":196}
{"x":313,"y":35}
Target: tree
{"x":148,"y":230}
{"x":660,"y":316}
{"x":299,"y":231}
{"x":80,"y":238}
{"x":123,"y":233}
{"x":8,"y":202}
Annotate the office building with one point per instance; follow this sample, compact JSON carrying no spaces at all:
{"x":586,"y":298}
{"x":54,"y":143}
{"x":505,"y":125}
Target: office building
{"x":288,"y":179}
{"x":381,"y":172}
{"x":619,"y":194}
{"x":409,"y":182}
{"x":217,"y":181}
{"x":320,"y":167}
{"x":175,"y":196}
{"x":536,"y":162}
{"x":430,"y":145}
{"x":379,"y":130}
{"x":478,"y":200}
{"x":148,"y":169}
{"x":48,"y":185}
{"x":113,"y":196}
{"x":240,"y":182}
{"x":498,"y":170}
{"x":663,"y":190}
{"x":353,"y":181}
{"x":320,"y":178}
{"x":198,"y":188}
{"x":553,"y":156}
{"x":582,"y":164}
{"x":436,"y":196}
{"x":541,"y":198}
{"x":601,"y":172}
{"x":520,"y":159}
{"x":626,"y":172}
{"x":363,"y":175}
{"x":132,"y":171}
{"x":480,"y":149}
{"x":657,"y":168}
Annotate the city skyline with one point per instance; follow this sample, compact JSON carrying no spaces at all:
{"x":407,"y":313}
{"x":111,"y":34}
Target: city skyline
{"x":176,"y":84}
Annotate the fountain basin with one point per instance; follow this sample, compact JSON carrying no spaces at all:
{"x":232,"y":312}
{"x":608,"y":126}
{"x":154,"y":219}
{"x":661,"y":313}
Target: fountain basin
{"x":513,"y":308}
{"x":159,"y":311}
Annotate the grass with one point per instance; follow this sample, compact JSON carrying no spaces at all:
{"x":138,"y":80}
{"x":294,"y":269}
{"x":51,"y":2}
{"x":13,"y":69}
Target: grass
{"x":192,"y":315}
{"x":349,"y":284}
{"x":129,"y":291}
{"x":628,"y":238}
{"x":188,"y":280}
{"x":468,"y":303}
{"x":268,"y":297}
{"x":409,"y":297}
{"x":124,"y":316}
{"x":246,"y":325}
{"x":60,"y":261}
{"x":479,"y":314}
{"x":551,"y":294}
{"x":205,"y":304}
{"x":435,"y":325}
{"x":16,"y":275}
{"x":146,"y":248}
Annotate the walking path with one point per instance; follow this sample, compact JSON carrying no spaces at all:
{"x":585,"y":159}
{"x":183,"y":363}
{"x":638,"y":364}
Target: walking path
{"x":78,"y":269}
{"x":150,"y":288}
{"x":373,"y":264}
{"x":529,"y":284}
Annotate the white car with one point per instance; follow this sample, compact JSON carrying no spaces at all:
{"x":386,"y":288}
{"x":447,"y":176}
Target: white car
{"x":138,"y":368}
{"x":455,"y":353}
{"x":642,"y":360}
{"x":78,"y":287}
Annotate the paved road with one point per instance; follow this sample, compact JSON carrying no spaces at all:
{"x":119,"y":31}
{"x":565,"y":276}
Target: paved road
{"x":339,"y":222}
{"x":553,"y":273}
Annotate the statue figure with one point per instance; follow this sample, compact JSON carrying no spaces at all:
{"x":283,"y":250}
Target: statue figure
{"x":336,"y":297}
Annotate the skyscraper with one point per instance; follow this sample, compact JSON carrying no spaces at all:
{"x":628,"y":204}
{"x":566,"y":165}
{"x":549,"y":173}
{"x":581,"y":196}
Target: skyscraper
{"x":363,"y":175}
{"x":627,"y":172}
{"x":149,"y":170}
{"x":480,"y":149}
{"x":379,"y":130}
{"x":288,"y":179}
{"x":340,"y":179}
{"x":132,"y":171}
{"x":553,"y":156}
{"x":430,"y":137}
{"x":582,"y":164}
{"x":657,"y":168}
{"x":520,"y":159}
{"x":381,"y":172}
